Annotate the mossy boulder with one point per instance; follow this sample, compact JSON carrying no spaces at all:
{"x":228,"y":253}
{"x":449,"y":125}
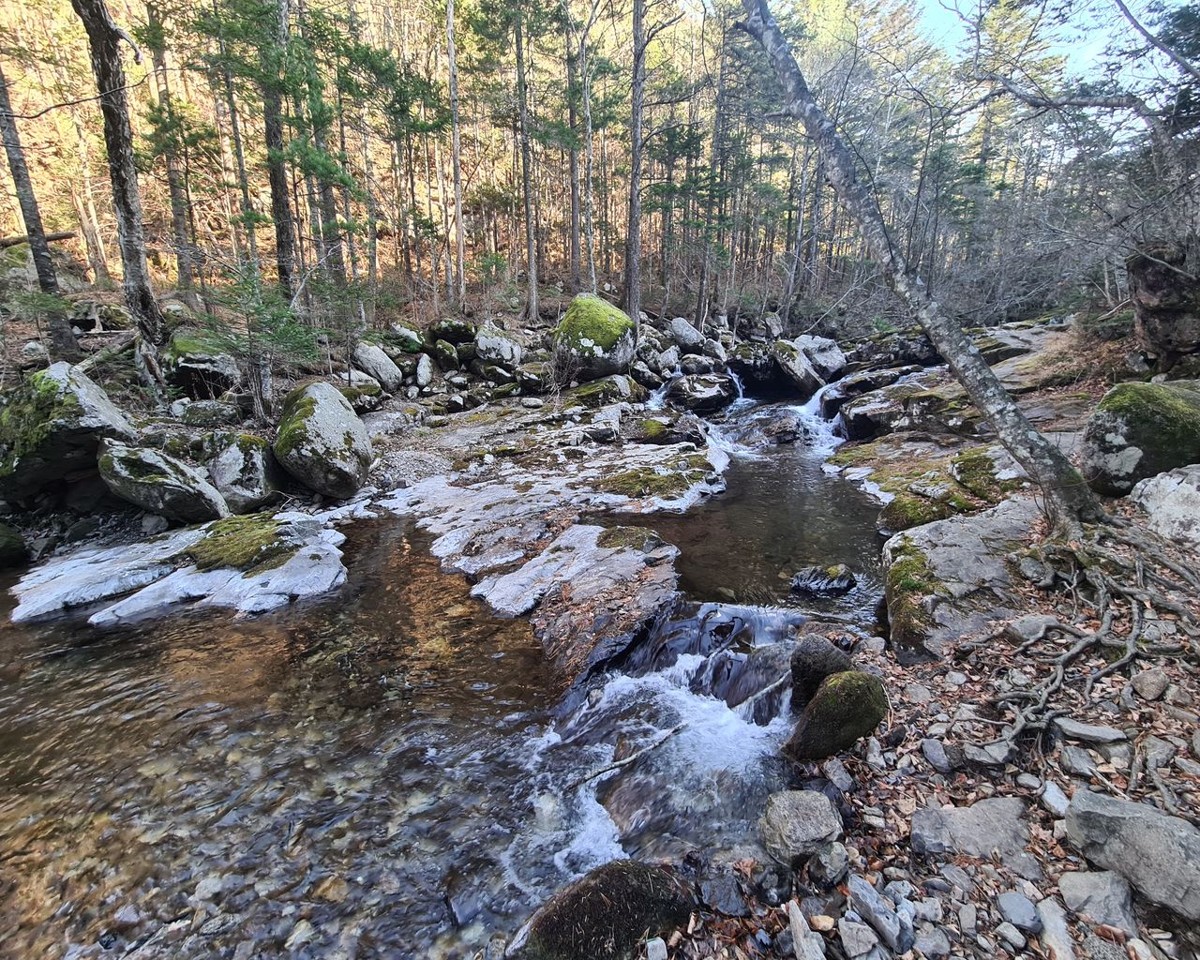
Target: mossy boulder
{"x":50,"y":429}
{"x":832,"y":580}
{"x":797,"y":368}
{"x":814,"y":659}
{"x":493,"y":347}
{"x":12,"y":547}
{"x":157,"y":482}
{"x":600,"y":393}
{"x":256,"y":542}
{"x":321,"y":442}
{"x":211,"y":413}
{"x":1140,"y":430}
{"x":606,"y":915}
{"x":93,"y":316}
{"x":453,"y":330}
{"x":445,"y":355}
{"x":362,"y":391}
{"x":196,"y":363}
{"x":664,"y":429}
{"x":846,"y":707}
{"x":594,"y":339}
{"x":243,"y":469}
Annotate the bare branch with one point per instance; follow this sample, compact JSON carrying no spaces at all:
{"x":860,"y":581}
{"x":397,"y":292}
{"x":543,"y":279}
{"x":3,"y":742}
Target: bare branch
{"x":1172,"y":54}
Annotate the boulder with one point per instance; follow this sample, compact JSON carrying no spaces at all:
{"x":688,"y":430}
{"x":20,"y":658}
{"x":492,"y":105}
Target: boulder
{"x":992,"y":825}
{"x":664,"y":428}
{"x":198,"y":365}
{"x":797,"y":368}
{"x":1171,"y":502}
{"x":796,"y":824}
{"x":831,"y":581}
{"x":493,"y":348}
{"x":703,"y":392}
{"x":243,"y":469}
{"x":408,"y":340}
{"x":594,"y":339}
{"x":1158,"y":854}
{"x":453,"y":330}
{"x":895,"y":349}
{"x":92,"y":316}
{"x":755,"y":364}
{"x":362,"y":390}
{"x":1166,"y":299}
{"x":1101,"y":896}
{"x":605,"y":915}
{"x":159,"y":483}
{"x":686,"y":337}
{"x":814,"y":659}
{"x":641,"y":372}
{"x":824,"y":355}
{"x":12,"y":547}
{"x":1140,"y":430}
{"x":928,"y":401}
{"x":692,"y":363}
{"x":856,"y":384}
{"x":50,"y":429}
{"x":424,"y":372}
{"x":446,"y":356}
{"x":211,"y":413}
{"x":321,"y":442}
{"x":372,"y":361}
{"x":846,"y":707}
{"x":615,"y":389}
{"x":666,"y":362}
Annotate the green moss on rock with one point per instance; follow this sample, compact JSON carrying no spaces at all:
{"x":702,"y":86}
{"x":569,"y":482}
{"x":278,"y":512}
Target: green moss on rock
{"x":12,"y":547}
{"x":31,"y":414}
{"x":908,"y":584}
{"x":591,"y":320}
{"x":1140,"y":430}
{"x":846,"y":707}
{"x":247,"y":543}
{"x":293,"y":431}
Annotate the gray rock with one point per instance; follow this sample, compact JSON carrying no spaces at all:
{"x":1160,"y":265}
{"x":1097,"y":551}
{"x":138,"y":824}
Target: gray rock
{"x":968,"y":919}
{"x":453,"y":330}
{"x":656,"y":949}
{"x":493,"y":347}
{"x":994,"y":824}
{"x":1019,"y":910}
{"x":409,"y":339}
{"x":52,"y":427}
{"x":199,"y":368}
{"x":322,"y":442}
{"x":827,"y":581}
{"x":686,"y":337}
{"x":806,"y":944}
{"x":243,"y":470}
{"x":857,"y":938}
{"x":1054,"y":800}
{"x":593,"y":340}
{"x":879,"y":913}
{"x":1088,"y":733}
{"x":1101,"y":896}
{"x":796,"y":823}
{"x":814,"y":659}
{"x":935,"y":753}
{"x":703,"y":393}
{"x":797,"y":369}
{"x":363,"y":391}
{"x":824,"y":354}
{"x":1171,"y":502}
{"x":1011,"y":935}
{"x":1158,"y":854}
{"x":424,"y":374}
{"x":372,"y":361}
{"x":1078,"y":761}
{"x":837,"y":774}
{"x":829,"y":865}
{"x":719,"y":890}
{"x":159,"y":483}
{"x":1152,"y":683}
{"x":933,"y":943}
{"x":1055,"y":938}
{"x":211,"y":413}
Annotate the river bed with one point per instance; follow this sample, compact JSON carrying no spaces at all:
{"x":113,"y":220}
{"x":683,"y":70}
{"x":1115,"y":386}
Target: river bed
{"x":381,"y":774}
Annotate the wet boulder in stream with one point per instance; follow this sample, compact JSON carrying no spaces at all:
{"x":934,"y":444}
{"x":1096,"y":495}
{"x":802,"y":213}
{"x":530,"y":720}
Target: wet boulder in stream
{"x":829,"y":581}
{"x":824,"y":354}
{"x":159,"y":483}
{"x":846,"y":707}
{"x":605,"y":915}
{"x":814,"y":659}
{"x":703,"y":393}
{"x":796,"y":367}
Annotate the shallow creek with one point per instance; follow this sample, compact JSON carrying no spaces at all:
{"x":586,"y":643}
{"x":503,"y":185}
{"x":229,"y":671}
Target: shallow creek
{"x":382,"y":774}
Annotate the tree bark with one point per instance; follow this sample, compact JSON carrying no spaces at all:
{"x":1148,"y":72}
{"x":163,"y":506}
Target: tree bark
{"x":633,"y":231}
{"x":63,"y":345}
{"x":281,"y":208}
{"x":104,"y":43}
{"x":531,"y":260}
{"x":1068,"y":500}
{"x":460,"y":236}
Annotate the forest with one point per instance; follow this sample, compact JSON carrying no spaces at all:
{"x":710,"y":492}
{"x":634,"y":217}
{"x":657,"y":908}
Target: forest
{"x":371,"y":162}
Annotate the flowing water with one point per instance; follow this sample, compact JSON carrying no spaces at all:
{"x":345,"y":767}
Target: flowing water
{"x":382,"y":774}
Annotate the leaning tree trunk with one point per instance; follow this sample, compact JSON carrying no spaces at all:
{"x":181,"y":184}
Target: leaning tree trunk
{"x":1068,"y":500}
{"x":104,"y":42}
{"x":63,"y":345}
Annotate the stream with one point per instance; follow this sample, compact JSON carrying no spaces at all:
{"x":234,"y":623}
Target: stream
{"x":381,"y":774}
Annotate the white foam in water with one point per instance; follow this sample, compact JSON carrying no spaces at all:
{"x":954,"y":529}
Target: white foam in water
{"x":823,"y":440}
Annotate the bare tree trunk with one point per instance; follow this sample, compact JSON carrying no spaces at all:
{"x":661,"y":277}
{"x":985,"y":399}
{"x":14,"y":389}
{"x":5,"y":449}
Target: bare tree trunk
{"x":104,"y":42}
{"x":1068,"y":500}
{"x":281,"y":208}
{"x":573,"y":241}
{"x":63,"y":345}
{"x":531,"y":308}
{"x":460,"y":236}
{"x":633,"y":228}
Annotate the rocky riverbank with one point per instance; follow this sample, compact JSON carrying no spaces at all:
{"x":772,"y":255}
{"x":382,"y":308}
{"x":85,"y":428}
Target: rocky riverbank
{"x":932,"y":809}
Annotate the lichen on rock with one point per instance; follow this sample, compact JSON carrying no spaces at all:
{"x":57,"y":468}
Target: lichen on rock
{"x":593,"y":339}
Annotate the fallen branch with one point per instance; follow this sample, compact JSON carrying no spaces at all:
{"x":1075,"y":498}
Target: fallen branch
{"x":120,"y":345}
{"x":6,"y":242}
{"x":626,"y":761}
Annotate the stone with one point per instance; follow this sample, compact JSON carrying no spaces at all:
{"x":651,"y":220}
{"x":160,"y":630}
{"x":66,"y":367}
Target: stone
{"x":453,"y":330}
{"x":806,"y":945}
{"x":686,"y":336}
{"x":823,"y":354}
{"x":1139,"y":430}
{"x":829,"y":865}
{"x":951,"y":578}
{"x":321,"y":442}
{"x":933,"y":943}
{"x":159,"y":483}
{"x":363,"y":391}
{"x":372,"y":361}
{"x":829,"y":581}
{"x":1088,"y":733}
{"x":720,"y":891}
{"x":445,"y":355}
{"x":1055,"y":937}
{"x":13,"y":551}
{"x":857,"y":938}
{"x":796,"y":823}
{"x":703,"y":393}
{"x":1101,"y":896}
{"x":494,"y":347}
{"x":1171,"y":502}
{"x":993,"y":824}
{"x":211,"y":413}
{"x":656,"y":949}
{"x":594,"y":339}
{"x":1054,"y":800}
{"x":424,"y":372}
{"x":51,"y":427}
{"x":797,"y":369}
{"x":846,"y":707}
{"x":243,"y":470}
{"x":1152,"y":683}
{"x":837,"y":774}
{"x":196,"y":363}
{"x":1011,"y":935}
{"x":879,"y":913}
{"x":605,"y":915}
{"x":1019,"y":910}
{"x":1158,"y":854}
{"x":1166,"y":298}
{"x":814,"y":659}
{"x":936,"y":754}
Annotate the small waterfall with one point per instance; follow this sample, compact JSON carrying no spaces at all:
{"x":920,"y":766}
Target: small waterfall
{"x":658,"y":397}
